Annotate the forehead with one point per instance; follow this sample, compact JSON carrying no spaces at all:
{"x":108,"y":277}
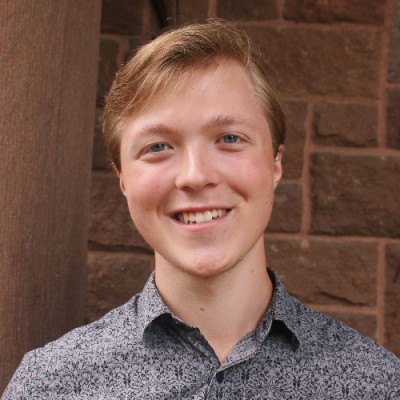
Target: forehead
{"x":226,"y":85}
{"x":207,"y":101}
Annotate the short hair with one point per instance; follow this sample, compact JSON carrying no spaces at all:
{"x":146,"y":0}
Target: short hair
{"x":172,"y":56}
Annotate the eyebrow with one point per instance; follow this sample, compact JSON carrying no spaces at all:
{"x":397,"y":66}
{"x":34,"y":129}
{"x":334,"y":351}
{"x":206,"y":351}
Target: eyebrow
{"x":224,"y":120}
{"x":216,"y":121}
{"x":154,"y":128}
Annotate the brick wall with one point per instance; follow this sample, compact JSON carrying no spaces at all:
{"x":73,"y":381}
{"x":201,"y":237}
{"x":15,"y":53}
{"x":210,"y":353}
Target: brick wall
{"x":334,"y":236}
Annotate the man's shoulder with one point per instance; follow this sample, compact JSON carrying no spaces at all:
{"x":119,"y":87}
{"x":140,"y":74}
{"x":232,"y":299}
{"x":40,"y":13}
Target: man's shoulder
{"x":331,"y":351}
{"x":115,"y":327}
{"x":81,"y":349}
{"x":325,"y":337}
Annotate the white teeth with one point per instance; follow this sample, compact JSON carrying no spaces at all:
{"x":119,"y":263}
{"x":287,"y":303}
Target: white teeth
{"x":185,"y":218}
{"x":208,"y":216}
{"x":200,"y":217}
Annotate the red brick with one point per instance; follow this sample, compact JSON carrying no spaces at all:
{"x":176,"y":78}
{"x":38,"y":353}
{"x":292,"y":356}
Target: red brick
{"x":247,"y":10}
{"x":365,"y":324}
{"x":286,"y":214}
{"x":393,"y":118}
{"x":355,"y":195}
{"x":365,"y":11}
{"x":345,"y":124}
{"x":394,"y":53}
{"x":295,"y":137}
{"x":322,"y":272}
{"x":392,"y":298}
{"x":100,"y":160}
{"x":320,"y":61}
{"x":113,"y":279}
{"x":107,"y":68}
{"x":123,"y":17}
{"x":110,"y":225}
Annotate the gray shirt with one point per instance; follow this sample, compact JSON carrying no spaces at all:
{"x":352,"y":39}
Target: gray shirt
{"x":141,"y":351}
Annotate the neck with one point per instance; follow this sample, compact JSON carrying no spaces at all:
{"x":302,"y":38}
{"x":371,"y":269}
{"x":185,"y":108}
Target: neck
{"x":225,"y":307}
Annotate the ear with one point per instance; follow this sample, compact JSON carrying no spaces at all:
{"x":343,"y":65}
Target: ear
{"x":121,"y":180}
{"x":278,"y":165}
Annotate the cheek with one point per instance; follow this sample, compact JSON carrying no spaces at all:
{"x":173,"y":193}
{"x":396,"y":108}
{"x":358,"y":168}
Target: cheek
{"x":142,"y":206}
{"x":258,"y":184}
{"x":255,"y":176}
{"x":144,"y":193}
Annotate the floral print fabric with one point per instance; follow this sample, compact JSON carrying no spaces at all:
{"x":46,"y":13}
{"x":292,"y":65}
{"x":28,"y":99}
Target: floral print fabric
{"x":141,"y":351}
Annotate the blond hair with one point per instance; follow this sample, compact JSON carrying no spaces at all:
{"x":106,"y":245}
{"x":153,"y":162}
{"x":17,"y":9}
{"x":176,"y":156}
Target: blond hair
{"x":172,"y":56}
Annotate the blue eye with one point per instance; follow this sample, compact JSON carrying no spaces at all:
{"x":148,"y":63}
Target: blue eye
{"x":230,"y":138}
{"x":156,"y":148}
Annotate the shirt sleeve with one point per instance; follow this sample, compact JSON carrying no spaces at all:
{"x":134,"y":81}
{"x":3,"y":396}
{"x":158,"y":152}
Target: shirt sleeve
{"x":26,"y":382}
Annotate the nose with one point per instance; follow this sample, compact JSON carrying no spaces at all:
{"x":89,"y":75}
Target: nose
{"x":196,"y":170}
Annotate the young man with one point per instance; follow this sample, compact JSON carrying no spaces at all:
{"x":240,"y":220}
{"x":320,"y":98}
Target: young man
{"x":196,"y":136}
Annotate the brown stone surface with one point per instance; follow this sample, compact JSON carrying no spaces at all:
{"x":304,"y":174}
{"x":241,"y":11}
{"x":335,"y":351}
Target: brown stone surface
{"x":319,"y":61}
{"x":134,"y":43}
{"x":286,"y":214}
{"x":392,"y":298}
{"x":110,"y":224}
{"x":295,"y":137}
{"x":107,"y":68}
{"x":123,"y":17}
{"x":365,"y":324}
{"x":394,"y":51}
{"x":192,"y":11}
{"x":247,"y":10}
{"x":355,"y":195}
{"x":393,"y":118}
{"x":364,"y":11}
{"x":48,"y":63}
{"x":100,"y":159}
{"x":321,"y":272}
{"x":341,"y":124}
{"x":113,"y":279}
{"x":158,"y":15}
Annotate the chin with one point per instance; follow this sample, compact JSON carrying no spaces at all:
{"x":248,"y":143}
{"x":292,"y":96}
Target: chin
{"x":207,"y":270}
{"x":204,"y":264}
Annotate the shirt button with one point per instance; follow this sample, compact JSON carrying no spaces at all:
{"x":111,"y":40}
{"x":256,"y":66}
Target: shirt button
{"x":220,"y":376}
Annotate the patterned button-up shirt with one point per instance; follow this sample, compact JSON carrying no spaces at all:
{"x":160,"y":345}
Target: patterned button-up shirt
{"x":141,"y":351}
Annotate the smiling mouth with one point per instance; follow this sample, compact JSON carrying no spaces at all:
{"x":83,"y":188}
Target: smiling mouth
{"x":189,"y":218}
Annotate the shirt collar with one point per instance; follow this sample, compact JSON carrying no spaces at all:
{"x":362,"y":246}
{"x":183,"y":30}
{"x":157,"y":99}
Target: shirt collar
{"x":150,"y":305}
{"x":283,"y":308}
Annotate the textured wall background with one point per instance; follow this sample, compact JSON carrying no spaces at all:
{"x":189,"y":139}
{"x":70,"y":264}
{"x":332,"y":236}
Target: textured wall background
{"x":335,"y":233}
{"x":48,"y":64}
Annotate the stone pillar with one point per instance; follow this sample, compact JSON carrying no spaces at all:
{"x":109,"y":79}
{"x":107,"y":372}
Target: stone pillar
{"x":48,"y":64}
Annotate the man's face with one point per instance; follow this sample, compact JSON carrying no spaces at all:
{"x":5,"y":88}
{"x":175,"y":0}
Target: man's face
{"x":198,"y":172}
